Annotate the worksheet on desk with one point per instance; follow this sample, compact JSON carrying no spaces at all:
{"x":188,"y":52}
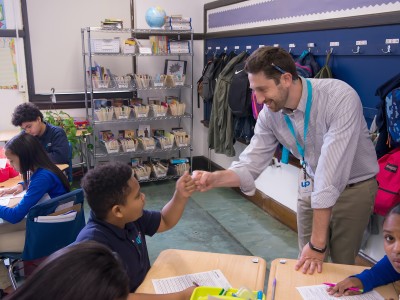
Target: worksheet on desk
{"x":318,"y":292}
{"x":179,"y":283}
{"x":6,"y":198}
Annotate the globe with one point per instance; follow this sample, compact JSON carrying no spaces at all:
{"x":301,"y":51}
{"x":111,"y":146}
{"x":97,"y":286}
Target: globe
{"x":155,"y":17}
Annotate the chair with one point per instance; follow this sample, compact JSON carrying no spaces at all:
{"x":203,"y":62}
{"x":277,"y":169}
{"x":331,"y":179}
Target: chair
{"x":69,"y":170}
{"x":42,"y":239}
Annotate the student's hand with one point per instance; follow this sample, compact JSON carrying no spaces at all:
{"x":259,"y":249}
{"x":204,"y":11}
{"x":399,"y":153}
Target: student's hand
{"x":187,"y":294}
{"x":310,"y":260}
{"x":202,"y":180}
{"x":13,"y":190}
{"x":341,"y":288}
{"x":185,"y":186}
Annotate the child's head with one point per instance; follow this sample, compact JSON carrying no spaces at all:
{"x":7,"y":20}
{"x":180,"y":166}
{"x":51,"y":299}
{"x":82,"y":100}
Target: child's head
{"x":112,"y":191}
{"x":84,"y":271}
{"x":29,"y":118}
{"x":25,"y":153}
{"x":391,"y":233}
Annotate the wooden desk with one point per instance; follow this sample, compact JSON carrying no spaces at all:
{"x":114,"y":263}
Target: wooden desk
{"x":6,"y":135}
{"x":287,"y":279}
{"x":238,"y":269}
{"x":62,"y":167}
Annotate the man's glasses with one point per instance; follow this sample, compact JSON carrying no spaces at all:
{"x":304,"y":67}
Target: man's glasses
{"x":279,"y":69}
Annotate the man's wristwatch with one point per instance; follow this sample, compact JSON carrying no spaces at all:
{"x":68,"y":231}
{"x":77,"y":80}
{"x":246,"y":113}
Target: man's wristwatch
{"x":319,"y":250}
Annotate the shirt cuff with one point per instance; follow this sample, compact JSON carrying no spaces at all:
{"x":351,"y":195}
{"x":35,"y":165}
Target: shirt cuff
{"x":23,"y":184}
{"x":325,"y":198}
{"x":247,"y":184}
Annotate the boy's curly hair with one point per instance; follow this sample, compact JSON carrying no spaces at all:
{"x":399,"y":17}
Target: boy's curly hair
{"x":26,"y":112}
{"x":105,"y":186}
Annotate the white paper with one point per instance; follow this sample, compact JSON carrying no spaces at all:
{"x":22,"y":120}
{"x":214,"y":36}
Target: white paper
{"x":68,"y":216}
{"x":179,"y":283}
{"x":318,"y":292}
{"x":3,"y":162}
{"x":6,"y":198}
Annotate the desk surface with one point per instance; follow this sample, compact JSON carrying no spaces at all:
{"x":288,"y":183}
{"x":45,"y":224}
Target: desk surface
{"x":287,"y":279}
{"x":6,"y":135}
{"x":238,"y":269}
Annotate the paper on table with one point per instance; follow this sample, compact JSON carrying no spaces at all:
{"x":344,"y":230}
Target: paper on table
{"x":179,"y":283}
{"x":6,"y":198}
{"x":318,"y":292}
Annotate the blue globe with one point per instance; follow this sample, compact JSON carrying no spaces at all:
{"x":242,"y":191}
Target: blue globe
{"x":155,"y":17}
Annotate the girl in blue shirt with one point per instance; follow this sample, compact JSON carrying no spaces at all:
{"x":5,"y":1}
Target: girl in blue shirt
{"x":387,"y":270}
{"x":41,"y":178}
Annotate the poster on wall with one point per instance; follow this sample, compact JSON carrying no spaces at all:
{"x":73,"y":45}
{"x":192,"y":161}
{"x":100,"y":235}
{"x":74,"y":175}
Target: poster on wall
{"x":8,"y":66}
{"x":2,"y":16}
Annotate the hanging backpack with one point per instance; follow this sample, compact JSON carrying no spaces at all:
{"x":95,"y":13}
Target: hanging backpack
{"x":325,"y":71}
{"x":239,"y":96}
{"x":392,"y":109}
{"x":388,"y":182}
{"x":306,"y":65}
{"x":200,"y":82}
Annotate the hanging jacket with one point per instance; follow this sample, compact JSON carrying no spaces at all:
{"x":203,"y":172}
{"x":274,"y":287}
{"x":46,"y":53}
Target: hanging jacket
{"x":220,"y":132}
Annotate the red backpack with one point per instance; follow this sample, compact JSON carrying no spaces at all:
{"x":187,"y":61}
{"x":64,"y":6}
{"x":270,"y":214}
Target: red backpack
{"x":388,"y":182}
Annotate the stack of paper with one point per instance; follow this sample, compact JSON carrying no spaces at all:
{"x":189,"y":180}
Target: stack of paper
{"x":179,"y":283}
{"x":68,"y":216}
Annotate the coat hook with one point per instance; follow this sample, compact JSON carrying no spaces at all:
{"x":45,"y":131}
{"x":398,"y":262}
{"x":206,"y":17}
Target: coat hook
{"x":357,"y":51}
{"x":207,"y":51}
{"x":389,"y":50}
{"x":330,"y":51}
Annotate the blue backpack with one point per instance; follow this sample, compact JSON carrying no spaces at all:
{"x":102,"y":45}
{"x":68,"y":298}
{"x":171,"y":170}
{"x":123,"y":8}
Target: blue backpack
{"x":393,"y":117}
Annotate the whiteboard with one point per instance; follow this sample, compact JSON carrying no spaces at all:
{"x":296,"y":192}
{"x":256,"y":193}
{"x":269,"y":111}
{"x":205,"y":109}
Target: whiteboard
{"x":55,"y":36}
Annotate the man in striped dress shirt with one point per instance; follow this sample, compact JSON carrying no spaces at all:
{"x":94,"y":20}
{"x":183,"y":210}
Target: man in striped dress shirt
{"x":321,"y":122}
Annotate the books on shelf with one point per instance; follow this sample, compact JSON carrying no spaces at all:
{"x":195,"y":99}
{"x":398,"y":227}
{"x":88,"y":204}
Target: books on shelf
{"x":178,"y":19}
{"x":178,"y":26}
{"x":159,"y":44}
{"x":178,"y":23}
{"x":178,"y":46}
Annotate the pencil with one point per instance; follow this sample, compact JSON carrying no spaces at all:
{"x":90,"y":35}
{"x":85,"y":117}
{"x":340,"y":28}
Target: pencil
{"x":273,"y":289}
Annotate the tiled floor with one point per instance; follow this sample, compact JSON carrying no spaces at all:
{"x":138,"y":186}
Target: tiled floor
{"x":222,"y":221}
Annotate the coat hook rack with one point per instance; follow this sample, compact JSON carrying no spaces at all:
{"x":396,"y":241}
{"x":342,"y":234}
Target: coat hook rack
{"x":388,"y":49}
{"x":357,"y":50}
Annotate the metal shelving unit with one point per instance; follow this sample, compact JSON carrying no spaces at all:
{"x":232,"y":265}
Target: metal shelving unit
{"x":99,"y":151}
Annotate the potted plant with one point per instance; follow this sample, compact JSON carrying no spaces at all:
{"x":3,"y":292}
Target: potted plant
{"x":66,"y":122}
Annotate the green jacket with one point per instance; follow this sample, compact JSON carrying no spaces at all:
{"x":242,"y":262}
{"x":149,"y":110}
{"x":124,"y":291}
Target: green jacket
{"x":220,"y":131}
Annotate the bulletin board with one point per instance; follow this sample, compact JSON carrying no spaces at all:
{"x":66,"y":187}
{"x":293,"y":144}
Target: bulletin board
{"x":8,"y":67}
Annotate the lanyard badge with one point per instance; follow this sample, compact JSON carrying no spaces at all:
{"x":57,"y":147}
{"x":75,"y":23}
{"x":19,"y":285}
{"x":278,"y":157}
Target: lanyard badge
{"x":305,"y":182}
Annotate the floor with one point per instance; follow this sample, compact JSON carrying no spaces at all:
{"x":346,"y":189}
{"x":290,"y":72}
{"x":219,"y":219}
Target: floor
{"x":220,"y":220}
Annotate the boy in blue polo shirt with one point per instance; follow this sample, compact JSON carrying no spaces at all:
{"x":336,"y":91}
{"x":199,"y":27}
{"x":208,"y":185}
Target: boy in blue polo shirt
{"x":117,"y":219}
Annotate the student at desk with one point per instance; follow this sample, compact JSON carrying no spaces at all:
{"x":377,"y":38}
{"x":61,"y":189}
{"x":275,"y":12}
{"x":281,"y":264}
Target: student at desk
{"x":118,"y":220}
{"x":53,"y":138}
{"x":40,"y":177}
{"x":386,"y":271}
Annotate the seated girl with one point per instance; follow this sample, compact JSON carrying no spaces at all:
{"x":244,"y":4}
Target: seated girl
{"x":83,"y":271}
{"x":41,"y":179}
{"x":385,"y":271}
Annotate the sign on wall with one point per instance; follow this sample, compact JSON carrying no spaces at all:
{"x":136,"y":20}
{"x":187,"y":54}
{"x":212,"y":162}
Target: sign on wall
{"x":2,"y":15}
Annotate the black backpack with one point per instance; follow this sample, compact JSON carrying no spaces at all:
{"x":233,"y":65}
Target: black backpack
{"x":239,"y":96}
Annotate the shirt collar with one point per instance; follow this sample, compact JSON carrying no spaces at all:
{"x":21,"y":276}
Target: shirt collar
{"x":304,"y":94}
{"x":119,"y":232}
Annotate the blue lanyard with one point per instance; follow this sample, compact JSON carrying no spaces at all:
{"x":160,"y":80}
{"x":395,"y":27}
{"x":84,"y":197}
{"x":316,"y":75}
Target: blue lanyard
{"x":306,"y":120}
